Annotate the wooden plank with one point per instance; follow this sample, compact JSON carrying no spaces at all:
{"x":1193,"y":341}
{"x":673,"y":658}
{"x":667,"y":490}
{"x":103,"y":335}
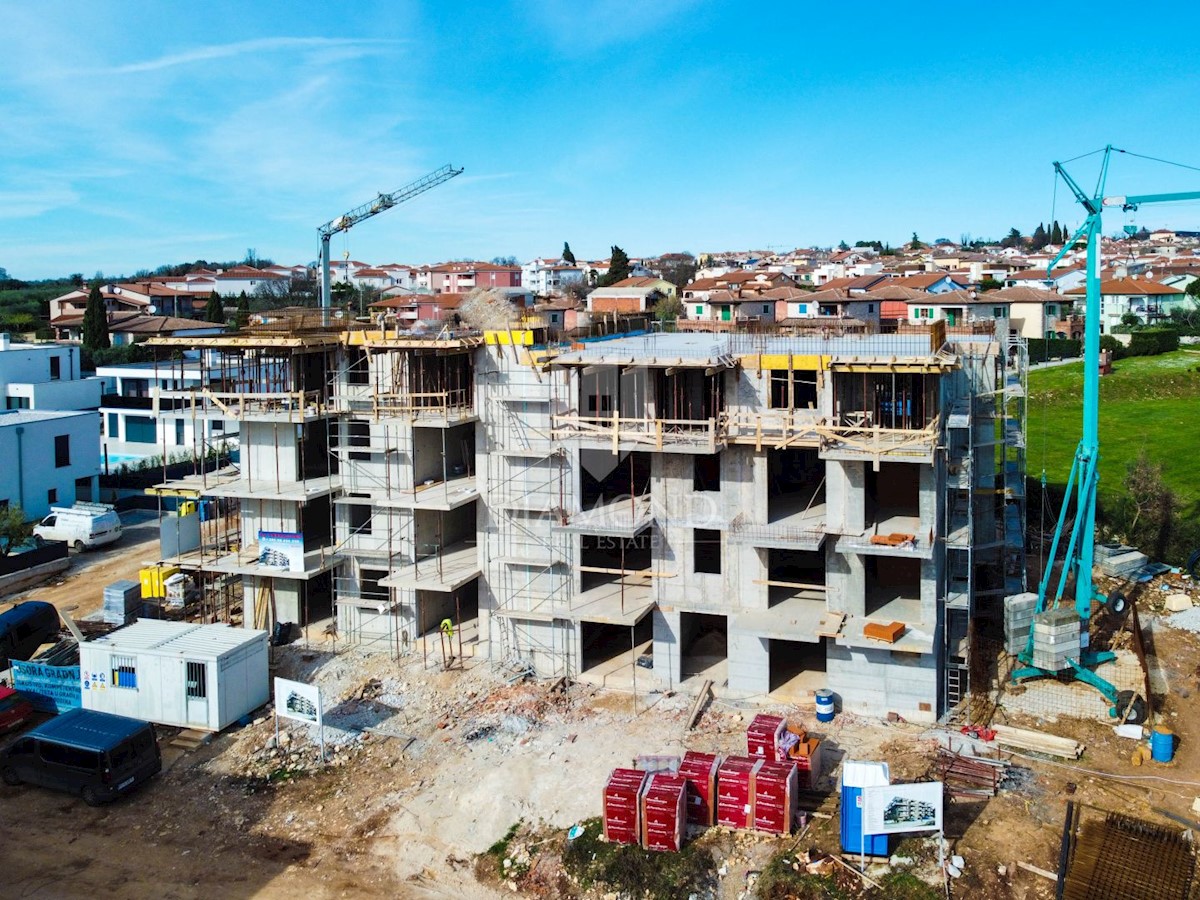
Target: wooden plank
{"x":701,"y":699}
{"x":1029,"y":867}
{"x":831,"y":624}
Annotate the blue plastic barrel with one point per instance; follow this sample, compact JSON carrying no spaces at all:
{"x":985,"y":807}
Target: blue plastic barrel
{"x":825,"y":705}
{"x":1162,"y":744}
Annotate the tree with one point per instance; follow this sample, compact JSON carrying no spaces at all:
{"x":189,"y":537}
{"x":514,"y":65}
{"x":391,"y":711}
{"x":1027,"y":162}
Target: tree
{"x":242,"y":318}
{"x":1130,"y":319}
{"x":214,"y":310}
{"x":567,"y":256}
{"x":618,"y":268}
{"x":915,"y":243}
{"x":668,"y":309}
{"x":1193,"y":289}
{"x":1146,"y":513}
{"x":505,"y":261}
{"x":486,"y":309}
{"x":843,"y":246}
{"x":1014,"y":238}
{"x":1040,"y":239}
{"x":1056,"y":235}
{"x":14,"y":530}
{"x":95,"y":321}
{"x":678,"y":268}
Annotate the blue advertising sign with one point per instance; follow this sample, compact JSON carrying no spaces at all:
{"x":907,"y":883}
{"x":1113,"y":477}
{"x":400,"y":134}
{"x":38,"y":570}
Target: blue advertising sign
{"x":53,"y":689}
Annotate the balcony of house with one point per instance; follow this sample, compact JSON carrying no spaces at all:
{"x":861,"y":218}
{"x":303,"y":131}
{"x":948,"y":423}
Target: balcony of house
{"x":796,"y":605}
{"x":892,"y":594}
{"x":153,"y":402}
{"x":250,"y":405}
{"x":791,"y":416}
{"x":441,"y":569}
{"x":427,"y":386}
{"x":878,"y":415}
{"x":304,"y":554}
{"x":616,"y":579}
{"x":268,"y":488}
{"x":627,"y":401}
{"x":892,"y":513}
{"x":614,"y":495}
{"x":362,"y":530}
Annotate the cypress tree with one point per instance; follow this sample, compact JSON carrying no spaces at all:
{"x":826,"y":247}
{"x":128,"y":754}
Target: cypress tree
{"x":567,"y":255}
{"x":243,"y":311}
{"x":95,"y":322}
{"x":618,"y":267}
{"x":214,"y":310}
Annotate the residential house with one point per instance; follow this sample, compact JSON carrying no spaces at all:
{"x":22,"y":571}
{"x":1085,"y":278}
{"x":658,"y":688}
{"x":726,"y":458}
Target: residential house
{"x":462,"y":277}
{"x":630,"y":295}
{"x":893,"y":300}
{"x":1060,"y":280}
{"x":961,"y":307}
{"x":794,"y":306}
{"x":934,"y":282}
{"x":1037,"y":313}
{"x":1148,"y":300}
{"x":131,"y":327}
{"x":547,"y":277}
{"x":51,"y":458}
{"x":45,"y":377}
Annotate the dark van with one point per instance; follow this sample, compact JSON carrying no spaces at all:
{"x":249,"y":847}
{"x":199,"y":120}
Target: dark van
{"x":24,"y":628}
{"x":96,"y":755}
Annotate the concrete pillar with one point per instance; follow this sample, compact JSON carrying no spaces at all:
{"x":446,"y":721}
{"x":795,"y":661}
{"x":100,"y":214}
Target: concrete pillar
{"x":845,"y":497}
{"x":846,"y":583}
{"x":666,"y":647}
{"x":749,"y":664}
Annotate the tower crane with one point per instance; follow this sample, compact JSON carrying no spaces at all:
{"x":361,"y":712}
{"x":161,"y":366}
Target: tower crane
{"x":1084,"y":477}
{"x":348,"y":220}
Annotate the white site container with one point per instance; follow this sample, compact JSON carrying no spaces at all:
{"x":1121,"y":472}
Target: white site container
{"x":175,"y":673}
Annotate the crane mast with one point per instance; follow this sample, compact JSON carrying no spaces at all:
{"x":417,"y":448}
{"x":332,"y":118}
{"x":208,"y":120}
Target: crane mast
{"x":383,"y":202}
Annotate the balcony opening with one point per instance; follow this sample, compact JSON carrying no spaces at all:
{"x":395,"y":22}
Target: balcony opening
{"x":901,"y":400}
{"x":607,"y":651}
{"x":605,"y":390}
{"x":703,"y":646}
{"x":892,"y":498}
{"x":440,"y":382}
{"x":605,"y":560}
{"x":314,"y":373}
{"x":358,"y":366}
{"x":797,"y":668}
{"x":460,"y":606}
{"x":317,"y":598}
{"x":796,"y":389}
{"x":606,"y":478}
{"x":689,"y":394}
{"x":795,"y":486}
{"x":795,"y":575}
{"x":893,"y":588}
{"x":441,"y":454}
{"x":706,"y":472}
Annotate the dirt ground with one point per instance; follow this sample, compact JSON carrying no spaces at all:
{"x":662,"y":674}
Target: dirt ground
{"x":427,"y":768}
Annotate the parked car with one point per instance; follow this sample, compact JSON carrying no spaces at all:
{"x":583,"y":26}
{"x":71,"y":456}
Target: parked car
{"x":96,"y":755}
{"x":14,"y":709}
{"x":83,"y":526}
{"x":24,"y":628}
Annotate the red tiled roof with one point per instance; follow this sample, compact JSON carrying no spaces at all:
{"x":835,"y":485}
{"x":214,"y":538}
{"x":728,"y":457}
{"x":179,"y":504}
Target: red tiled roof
{"x":1129,"y":286}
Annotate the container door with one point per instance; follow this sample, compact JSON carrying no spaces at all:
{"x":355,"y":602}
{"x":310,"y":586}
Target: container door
{"x":196,"y":693}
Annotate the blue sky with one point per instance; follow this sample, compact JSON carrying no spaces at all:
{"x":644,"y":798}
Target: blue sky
{"x":136,"y":134}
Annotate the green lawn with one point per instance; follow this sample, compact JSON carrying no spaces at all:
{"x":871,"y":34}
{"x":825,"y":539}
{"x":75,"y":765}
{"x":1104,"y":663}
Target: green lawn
{"x":1149,"y":402}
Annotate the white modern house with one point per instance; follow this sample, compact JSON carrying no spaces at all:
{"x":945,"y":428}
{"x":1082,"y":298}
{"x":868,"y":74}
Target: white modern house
{"x":51,"y":458}
{"x":138,"y":423}
{"x":45,"y":377}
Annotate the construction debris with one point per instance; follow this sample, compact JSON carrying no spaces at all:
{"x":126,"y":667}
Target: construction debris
{"x":1038,"y":742}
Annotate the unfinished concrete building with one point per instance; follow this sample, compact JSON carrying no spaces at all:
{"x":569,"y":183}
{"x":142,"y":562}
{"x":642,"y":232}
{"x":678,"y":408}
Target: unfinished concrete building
{"x":266,"y":544}
{"x":644,"y":512}
{"x":738,"y":508}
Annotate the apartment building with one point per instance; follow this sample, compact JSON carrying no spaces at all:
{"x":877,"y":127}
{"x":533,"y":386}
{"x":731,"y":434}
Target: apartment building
{"x":648,"y":512}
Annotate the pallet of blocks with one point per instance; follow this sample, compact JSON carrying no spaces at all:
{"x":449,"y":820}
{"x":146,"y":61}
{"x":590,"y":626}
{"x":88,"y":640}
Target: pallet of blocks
{"x":808,"y":755}
{"x":764,"y":737}
{"x":735,"y":791}
{"x":622,"y":806}
{"x":700,"y":770}
{"x":664,"y":812}
{"x":775,"y":787}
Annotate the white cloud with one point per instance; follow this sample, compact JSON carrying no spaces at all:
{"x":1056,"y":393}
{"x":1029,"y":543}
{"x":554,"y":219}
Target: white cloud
{"x":349,"y":47}
{"x":33,"y":201}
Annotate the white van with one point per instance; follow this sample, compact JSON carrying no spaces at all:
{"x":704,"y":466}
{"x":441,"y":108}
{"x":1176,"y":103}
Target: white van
{"x":82,"y":526}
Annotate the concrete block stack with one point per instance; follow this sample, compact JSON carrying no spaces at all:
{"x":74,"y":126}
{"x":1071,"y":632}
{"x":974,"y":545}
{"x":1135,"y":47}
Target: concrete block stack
{"x":1056,"y":638}
{"x":1018,"y":621}
{"x":664,"y":812}
{"x":700,"y":770}
{"x":622,"y":806}
{"x":122,"y":600}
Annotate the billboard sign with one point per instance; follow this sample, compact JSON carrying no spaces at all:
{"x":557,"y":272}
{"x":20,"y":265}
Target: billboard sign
{"x":901,"y":808}
{"x":281,"y":550}
{"x":53,"y":689}
{"x":297,"y":700}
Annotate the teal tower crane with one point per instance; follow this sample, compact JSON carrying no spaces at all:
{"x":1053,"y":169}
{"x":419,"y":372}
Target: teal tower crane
{"x":1084,"y":477}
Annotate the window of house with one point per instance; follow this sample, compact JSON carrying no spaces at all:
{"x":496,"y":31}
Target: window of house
{"x":870,"y":307}
{"x":360,"y":518}
{"x":16,"y":402}
{"x":997,"y":312}
{"x":52,"y":495}
{"x":699,"y":310}
{"x":706,"y":472}
{"x":1051,"y":309}
{"x":766,"y":309}
{"x":140,"y":430}
{"x":124,"y":672}
{"x":802,"y":308}
{"x":706,"y":551}
{"x":62,"y":450}
{"x":114,"y":426}
{"x":55,"y":368}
